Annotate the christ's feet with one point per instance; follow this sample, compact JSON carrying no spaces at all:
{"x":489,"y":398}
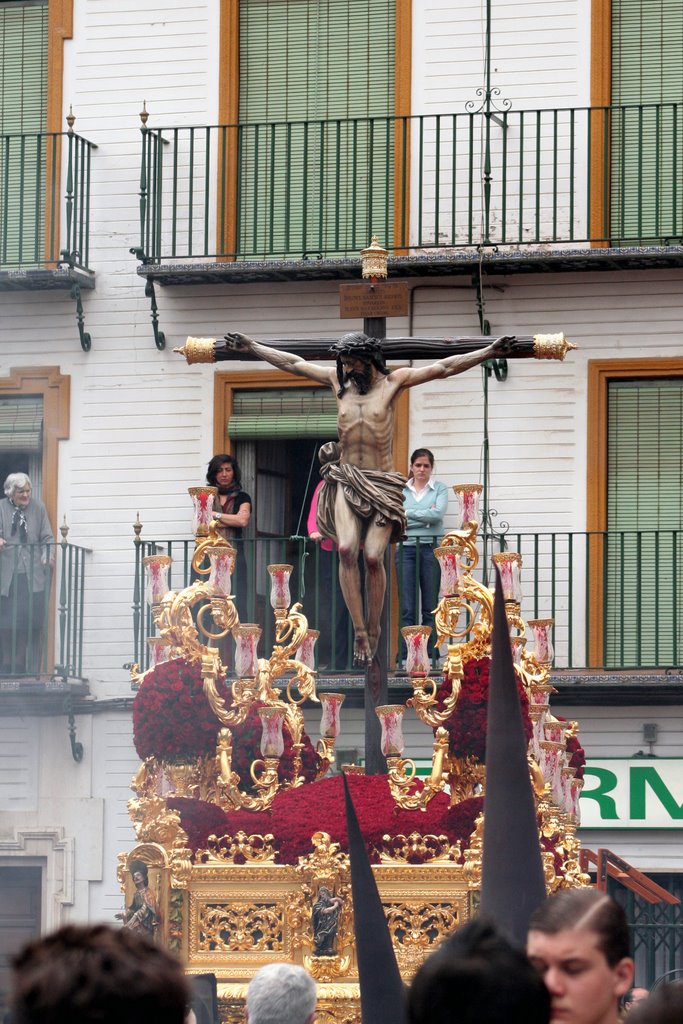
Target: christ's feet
{"x":362,"y":653}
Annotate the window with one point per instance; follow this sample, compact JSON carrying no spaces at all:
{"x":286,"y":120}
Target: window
{"x":647,"y":121}
{"x":23,"y":112}
{"x":315,"y":100}
{"x":635,"y":512}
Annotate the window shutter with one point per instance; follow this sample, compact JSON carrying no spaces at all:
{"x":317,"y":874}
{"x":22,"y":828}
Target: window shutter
{"x":23,"y":102}
{"x":644,"y":613}
{"x":309,"y":183}
{"x":647,"y":141}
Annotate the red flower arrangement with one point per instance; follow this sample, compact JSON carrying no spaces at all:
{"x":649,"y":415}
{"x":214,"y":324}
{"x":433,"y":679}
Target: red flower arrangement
{"x":467,"y":725}
{"x":297,"y":813}
{"x":577,"y":758}
{"x":173,"y":721}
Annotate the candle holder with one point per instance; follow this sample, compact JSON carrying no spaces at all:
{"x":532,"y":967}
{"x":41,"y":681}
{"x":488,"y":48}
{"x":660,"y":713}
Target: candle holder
{"x":543,"y":644}
{"x":272,"y":720}
{"x":280,"y":597}
{"x":203,"y":503}
{"x":417,"y":639}
{"x":156,"y":570}
{"x":160,"y":651}
{"x":222,"y":561}
{"x":425,"y":689}
{"x":305,"y":653}
{"x":468,"y":497}
{"x":329,"y":728}
{"x":247,"y":636}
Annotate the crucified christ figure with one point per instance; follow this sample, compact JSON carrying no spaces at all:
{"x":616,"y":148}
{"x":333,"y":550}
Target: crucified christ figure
{"x":361,"y":502}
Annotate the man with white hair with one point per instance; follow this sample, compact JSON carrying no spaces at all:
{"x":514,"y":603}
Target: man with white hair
{"x":26,"y":551}
{"x":281,"y":994}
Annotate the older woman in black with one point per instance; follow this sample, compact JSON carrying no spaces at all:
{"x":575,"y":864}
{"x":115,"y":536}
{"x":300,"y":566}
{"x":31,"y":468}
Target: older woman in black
{"x":233,"y":514}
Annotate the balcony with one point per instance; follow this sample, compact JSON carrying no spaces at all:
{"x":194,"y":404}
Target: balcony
{"x":559,"y":189}
{"x":41,"y":633}
{"x":615,"y":599}
{"x":45,"y":219}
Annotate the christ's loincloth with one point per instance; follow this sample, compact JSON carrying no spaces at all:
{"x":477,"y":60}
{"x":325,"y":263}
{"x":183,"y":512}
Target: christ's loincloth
{"x":370,"y":493}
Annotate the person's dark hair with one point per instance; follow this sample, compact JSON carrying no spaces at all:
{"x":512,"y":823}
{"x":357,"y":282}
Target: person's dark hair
{"x":139,"y":865}
{"x":215,"y":464}
{"x":358,"y":346}
{"x":589,"y":909}
{"x":422,"y":453}
{"x":477,"y":977}
{"x":97,"y":975}
{"x":664,"y":1005}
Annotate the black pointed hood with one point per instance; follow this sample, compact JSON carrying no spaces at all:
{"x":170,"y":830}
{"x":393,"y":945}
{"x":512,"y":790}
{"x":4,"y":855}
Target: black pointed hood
{"x":382,"y":995}
{"x":513,"y":883}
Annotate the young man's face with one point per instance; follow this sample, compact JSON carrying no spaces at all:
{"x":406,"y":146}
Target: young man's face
{"x":583,"y":988}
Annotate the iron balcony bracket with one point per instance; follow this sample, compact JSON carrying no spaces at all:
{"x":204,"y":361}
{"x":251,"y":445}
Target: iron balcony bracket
{"x":159,"y":336}
{"x":86,"y":339}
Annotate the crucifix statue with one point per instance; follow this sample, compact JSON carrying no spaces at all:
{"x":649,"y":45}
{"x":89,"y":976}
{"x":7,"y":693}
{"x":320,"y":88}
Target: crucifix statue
{"x":360,"y":506}
{"x":361,"y":502}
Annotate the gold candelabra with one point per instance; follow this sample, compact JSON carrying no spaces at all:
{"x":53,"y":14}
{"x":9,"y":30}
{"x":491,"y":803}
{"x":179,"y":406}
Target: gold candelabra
{"x":191,"y":623}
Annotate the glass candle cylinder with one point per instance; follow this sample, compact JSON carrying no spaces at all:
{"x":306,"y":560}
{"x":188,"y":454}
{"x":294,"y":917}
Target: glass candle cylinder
{"x":450,"y":571}
{"x":204,"y":500}
{"x":247,"y":636}
{"x":159,"y":650}
{"x":330,"y":719}
{"x":509,"y":564}
{"x":417,"y":658}
{"x":156,"y":569}
{"x":222,"y":559}
{"x":543,"y":643}
{"x":554,"y":730}
{"x":272,"y":740}
{"x":306,"y":652}
{"x":467,"y":496}
{"x":391,"y":720}
{"x":517,"y":643}
{"x":280,"y":596}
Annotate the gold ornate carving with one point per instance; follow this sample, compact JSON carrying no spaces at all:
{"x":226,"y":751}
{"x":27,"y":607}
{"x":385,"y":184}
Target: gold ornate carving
{"x":417,"y":848}
{"x":240,"y":848}
{"x":466,"y":777}
{"x":551,"y":346}
{"x":235,"y":926}
{"x":198,"y":350}
{"x":416,"y":929}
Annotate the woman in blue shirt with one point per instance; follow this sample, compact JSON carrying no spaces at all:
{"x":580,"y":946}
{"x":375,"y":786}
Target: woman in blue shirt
{"x":425,"y":502}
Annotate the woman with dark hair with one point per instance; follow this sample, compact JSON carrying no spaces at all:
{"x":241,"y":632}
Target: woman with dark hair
{"x":233,"y":515}
{"x":425,"y":501}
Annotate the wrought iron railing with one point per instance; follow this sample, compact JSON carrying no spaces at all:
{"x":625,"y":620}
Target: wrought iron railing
{"x":41,"y":610}
{"x":309,"y":189}
{"x":44,"y":200}
{"x":615,"y":597}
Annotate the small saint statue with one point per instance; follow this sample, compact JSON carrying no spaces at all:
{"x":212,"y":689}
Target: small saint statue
{"x":325,"y":917}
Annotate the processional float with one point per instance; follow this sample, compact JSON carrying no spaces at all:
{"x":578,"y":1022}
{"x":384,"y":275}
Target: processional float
{"x":239,"y":818}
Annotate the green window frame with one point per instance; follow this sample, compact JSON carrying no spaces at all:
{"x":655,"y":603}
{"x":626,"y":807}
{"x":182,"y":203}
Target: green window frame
{"x":316,"y":137}
{"x":644,"y":554}
{"x":23,"y":120}
{"x":647,"y":121}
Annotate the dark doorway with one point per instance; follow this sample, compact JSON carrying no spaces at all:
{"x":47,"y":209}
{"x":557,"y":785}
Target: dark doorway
{"x":20,"y":910}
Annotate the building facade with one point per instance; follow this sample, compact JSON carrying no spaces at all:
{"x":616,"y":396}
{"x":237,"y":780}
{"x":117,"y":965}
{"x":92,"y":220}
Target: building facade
{"x":227,"y":162}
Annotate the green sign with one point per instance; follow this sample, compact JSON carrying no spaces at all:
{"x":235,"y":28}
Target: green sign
{"x":634,"y":792}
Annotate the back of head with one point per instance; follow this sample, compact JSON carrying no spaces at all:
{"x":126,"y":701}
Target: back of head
{"x":477,"y":977}
{"x":281,"y":994}
{"x":97,"y":975}
{"x":663,"y":1006}
{"x":587,"y":909}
